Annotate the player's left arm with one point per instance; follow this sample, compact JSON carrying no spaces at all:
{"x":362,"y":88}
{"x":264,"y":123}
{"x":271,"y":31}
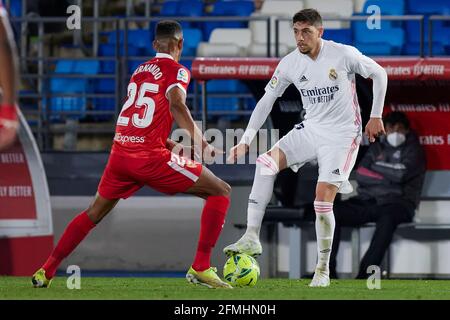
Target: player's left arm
{"x":368,"y":68}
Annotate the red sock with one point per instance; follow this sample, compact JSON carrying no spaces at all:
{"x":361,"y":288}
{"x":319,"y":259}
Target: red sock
{"x":75,"y":232}
{"x":211,"y":224}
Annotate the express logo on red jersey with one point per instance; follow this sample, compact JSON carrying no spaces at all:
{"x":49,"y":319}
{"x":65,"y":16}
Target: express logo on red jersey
{"x":124,"y":139}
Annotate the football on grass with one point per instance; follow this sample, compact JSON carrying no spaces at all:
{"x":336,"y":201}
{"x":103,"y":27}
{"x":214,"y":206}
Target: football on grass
{"x":241,"y":270}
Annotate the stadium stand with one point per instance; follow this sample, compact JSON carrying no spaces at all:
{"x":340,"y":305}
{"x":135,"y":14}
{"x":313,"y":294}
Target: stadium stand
{"x":441,"y":29}
{"x":274,"y":9}
{"x":223,"y":38}
{"x":226,"y":42}
{"x":75,"y":105}
{"x":228,"y":8}
{"x":389,"y":38}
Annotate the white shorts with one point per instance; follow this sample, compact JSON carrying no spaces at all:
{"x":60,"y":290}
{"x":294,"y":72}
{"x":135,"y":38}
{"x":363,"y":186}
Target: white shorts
{"x":335,"y":154}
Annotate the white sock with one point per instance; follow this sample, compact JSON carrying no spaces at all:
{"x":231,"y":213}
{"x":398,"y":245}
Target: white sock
{"x":262,"y":189}
{"x":325,"y":224}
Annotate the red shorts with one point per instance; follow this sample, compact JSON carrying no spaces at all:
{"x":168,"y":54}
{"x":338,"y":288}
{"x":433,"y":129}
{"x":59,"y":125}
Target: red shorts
{"x":166,"y":172}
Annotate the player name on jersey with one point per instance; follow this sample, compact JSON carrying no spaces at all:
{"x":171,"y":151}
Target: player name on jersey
{"x":151,"y":68}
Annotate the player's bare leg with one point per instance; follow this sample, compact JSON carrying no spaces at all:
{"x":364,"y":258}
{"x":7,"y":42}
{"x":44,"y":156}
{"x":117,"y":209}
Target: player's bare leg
{"x":325,"y":224}
{"x":216,"y":192}
{"x":74,"y":233}
{"x":267,"y":167}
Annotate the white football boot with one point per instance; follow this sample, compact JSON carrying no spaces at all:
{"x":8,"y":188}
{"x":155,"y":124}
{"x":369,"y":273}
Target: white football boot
{"x":247,"y":245}
{"x":321,"y":278}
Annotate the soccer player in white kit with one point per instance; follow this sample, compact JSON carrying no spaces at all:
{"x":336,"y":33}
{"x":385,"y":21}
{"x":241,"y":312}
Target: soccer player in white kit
{"x":324,"y":73}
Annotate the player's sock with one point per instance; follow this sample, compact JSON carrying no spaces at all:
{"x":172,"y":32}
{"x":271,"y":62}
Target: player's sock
{"x":325,"y":224}
{"x":74,"y":233}
{"x":211,"y":224}
{"x":265,"y":174}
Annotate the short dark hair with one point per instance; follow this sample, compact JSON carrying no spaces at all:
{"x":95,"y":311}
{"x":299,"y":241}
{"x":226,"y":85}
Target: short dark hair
{"x":395,"y":117}
{"x":311,"y":16}
{"x":168,"y":29}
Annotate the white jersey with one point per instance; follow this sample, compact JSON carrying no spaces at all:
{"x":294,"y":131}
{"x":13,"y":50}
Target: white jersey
{"x":326,"y":85}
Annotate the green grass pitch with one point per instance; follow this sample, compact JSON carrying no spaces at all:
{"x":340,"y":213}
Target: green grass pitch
{"x":266,"y":289}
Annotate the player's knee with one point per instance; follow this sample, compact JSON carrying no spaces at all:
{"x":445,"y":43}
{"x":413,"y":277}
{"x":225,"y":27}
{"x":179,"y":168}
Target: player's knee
{"x":267,"y":165}
{"x":326,"y":192}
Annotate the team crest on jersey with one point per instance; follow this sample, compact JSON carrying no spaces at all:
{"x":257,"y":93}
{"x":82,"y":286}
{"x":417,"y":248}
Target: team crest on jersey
{"x":182,"y":75}
{"x":273,"y":82}
{"x":333,"y":74}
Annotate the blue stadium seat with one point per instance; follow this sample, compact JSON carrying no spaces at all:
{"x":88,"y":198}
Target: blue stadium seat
{"x":140,"y":38}
{"x":225,"y":104}
{"x":139,"y":42}
{"x":441,"y":38}
{"x":71,"y":85}
{"x":65,"y":66}
{"x":440,"y":29}
{"x":192,"y":37}
{"x":389,"y":39}
{"x":387,"y":7}
{"x":107,"y":50}
{"x":169,"y":8}
{"x":15,"y":9}
{"x":339,"y":35}
{"x":428,"y":7}
{"x":379,"y":42}
{"x":191,"y":8}
{"x":86,"y":67}
{"x":239,"y":8}
{"x":133,"y":64}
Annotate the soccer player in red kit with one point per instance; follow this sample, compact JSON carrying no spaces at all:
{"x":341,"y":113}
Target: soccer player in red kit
{"x":141,"y":156}
{"x":8,"y":83}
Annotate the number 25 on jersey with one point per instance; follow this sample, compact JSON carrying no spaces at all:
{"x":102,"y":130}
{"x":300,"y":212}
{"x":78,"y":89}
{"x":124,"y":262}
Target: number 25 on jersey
{"x":142,"y":101}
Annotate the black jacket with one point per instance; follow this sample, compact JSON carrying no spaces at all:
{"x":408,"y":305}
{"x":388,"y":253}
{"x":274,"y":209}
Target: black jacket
{"x":387,"y":174}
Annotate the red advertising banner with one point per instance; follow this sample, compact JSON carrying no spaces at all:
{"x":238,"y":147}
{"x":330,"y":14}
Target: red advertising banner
{"x":432,"y":123}
{"x":234,"y":68}
{"x":416,"y":69}
{"x":16,"y":188}
{"x":262,"y":68}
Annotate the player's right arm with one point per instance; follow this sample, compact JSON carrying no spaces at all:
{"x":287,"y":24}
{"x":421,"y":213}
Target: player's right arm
{"x":274,"y":89}
{"x":8,"y":83}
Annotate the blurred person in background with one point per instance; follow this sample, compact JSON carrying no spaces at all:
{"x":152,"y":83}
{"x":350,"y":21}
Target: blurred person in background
{"x":390,"y":178}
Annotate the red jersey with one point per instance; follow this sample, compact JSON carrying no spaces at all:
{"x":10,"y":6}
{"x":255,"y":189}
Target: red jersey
{"x":145,"y":122}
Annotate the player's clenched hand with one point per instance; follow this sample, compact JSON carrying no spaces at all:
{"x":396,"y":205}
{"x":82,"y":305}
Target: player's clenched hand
{"x":8,"y":126}
{"x":237,"y":151}
{"x":374,"y":129}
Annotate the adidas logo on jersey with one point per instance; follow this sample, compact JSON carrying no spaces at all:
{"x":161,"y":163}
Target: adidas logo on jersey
{"x":336,"y":172}
{"x":303,"y":79}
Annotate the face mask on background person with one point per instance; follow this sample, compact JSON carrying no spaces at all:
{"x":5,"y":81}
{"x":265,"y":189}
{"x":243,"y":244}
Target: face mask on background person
{"x":395,"y":139}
